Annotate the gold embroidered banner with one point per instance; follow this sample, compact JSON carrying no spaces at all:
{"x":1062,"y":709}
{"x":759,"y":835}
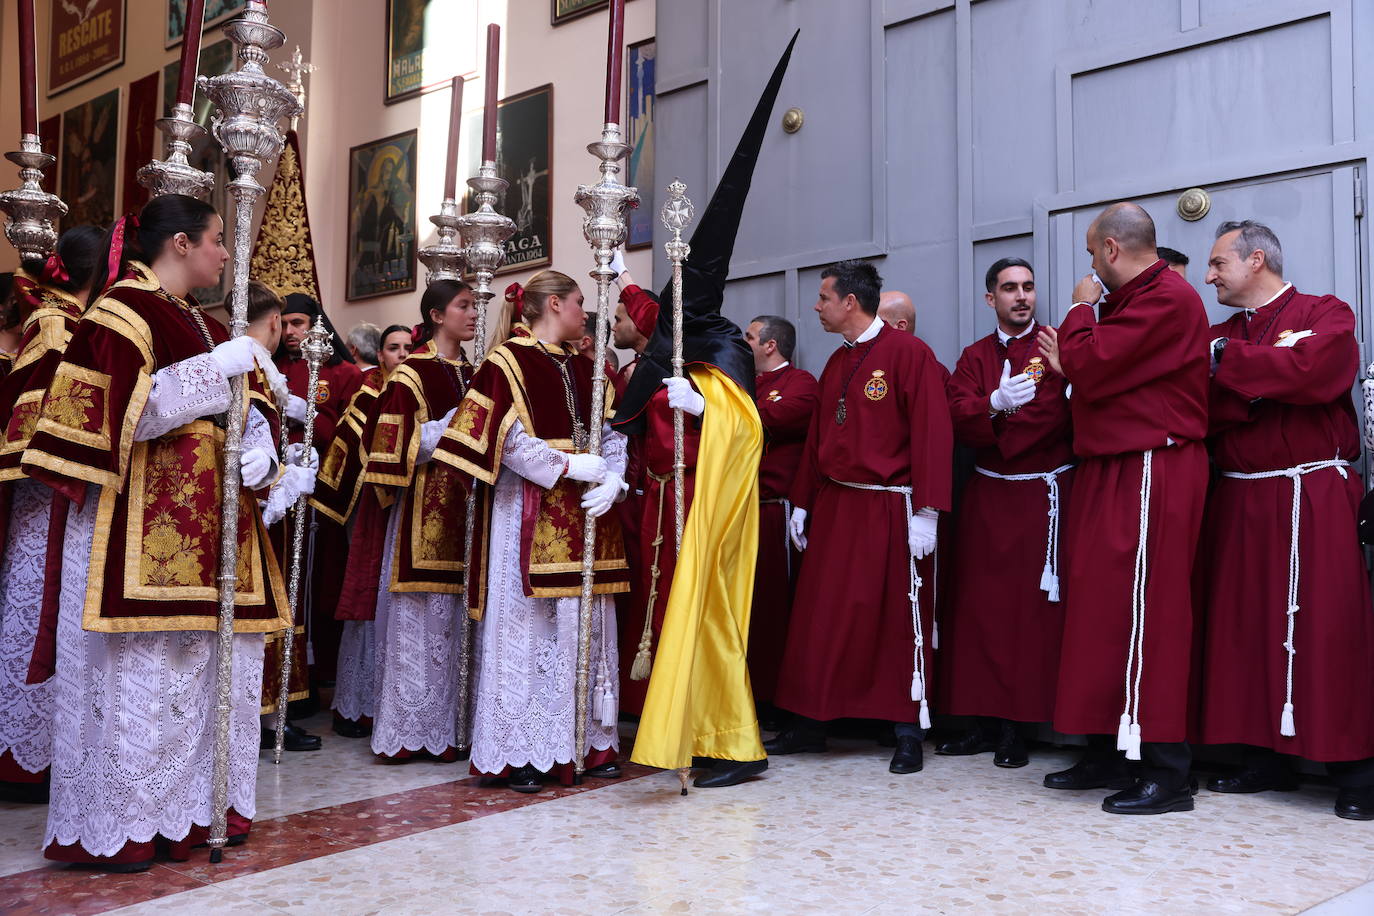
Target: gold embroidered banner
{"x":284,"y":253}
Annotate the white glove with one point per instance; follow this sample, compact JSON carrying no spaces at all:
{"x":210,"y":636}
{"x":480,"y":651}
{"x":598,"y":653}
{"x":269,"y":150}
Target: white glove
{"x":1292,"y":339}
{"x":586,"y":468}
{"x":235,"y":357}
{"x":1013,"y":392}
{"x":618,"y":261}
{"x":255,"y":468}
{"x":920,"y":533}
{"x":598,"y":500}
{"x":796,"y":525}
{"x":295,"y":409}
{"x":295,"y":452}
{"x":430,"y":434}
{"x":682,"y":394}
{"x":294,"y":483}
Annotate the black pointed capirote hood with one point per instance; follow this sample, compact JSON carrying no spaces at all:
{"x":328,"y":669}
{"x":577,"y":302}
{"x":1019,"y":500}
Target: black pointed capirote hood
{"x":707,"y":335}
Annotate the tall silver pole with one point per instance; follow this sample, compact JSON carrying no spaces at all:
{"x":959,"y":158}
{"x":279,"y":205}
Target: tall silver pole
{"x":248,"y":103}
{"x":605,"y":228}
{"x":676,"y":214}
{"x":316,"y":349}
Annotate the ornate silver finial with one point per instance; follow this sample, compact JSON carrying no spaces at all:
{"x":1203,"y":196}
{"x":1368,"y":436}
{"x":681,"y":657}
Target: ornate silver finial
{"x":296,"y":69}
{"x":31,"y":210}
{"x":676,"y":215}
{"x":485,"y":231}
{"x":175,"y":174}
{"x":444,"y":259}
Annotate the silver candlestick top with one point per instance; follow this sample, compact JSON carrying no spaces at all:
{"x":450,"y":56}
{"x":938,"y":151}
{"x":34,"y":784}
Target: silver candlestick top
{"x":485,"y":231}
{"x":31,"y":210}
{"x":444,"y":259}
{"x":175,"y":174}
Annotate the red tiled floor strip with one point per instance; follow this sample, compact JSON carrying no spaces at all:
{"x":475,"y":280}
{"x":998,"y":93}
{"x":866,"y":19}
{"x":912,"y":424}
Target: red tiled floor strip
{"x":274,"y":843}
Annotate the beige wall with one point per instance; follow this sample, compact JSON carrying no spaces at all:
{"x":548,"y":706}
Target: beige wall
{"x":344,"y":39}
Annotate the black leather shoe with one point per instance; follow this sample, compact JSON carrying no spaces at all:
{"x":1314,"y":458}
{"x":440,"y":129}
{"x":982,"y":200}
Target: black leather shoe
{"x":908,"y":757}
{"x":971,"y":742}
{"x":525,"y":779}
{"x":1148,"y":797}
{"x":795,"y":741}
{"x":1355,"y":804}
{"x":294,"y":738}
{"x":1095,"y":773}
{"x":347,"y":728}
{"x":605,"y":771}
{"x":1011,"y":747}
{"x":1248,"y":781}
{"x":730,"y":773}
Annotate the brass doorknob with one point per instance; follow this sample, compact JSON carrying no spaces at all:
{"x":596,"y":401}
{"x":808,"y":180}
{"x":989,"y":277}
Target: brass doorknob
{"x":792,"y":120}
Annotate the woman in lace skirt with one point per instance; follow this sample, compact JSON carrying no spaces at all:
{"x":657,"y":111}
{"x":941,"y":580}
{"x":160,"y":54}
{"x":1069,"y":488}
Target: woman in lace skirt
{"x":419,"y":616}
{"x":522,"y":435}
{"x":131,"y":433}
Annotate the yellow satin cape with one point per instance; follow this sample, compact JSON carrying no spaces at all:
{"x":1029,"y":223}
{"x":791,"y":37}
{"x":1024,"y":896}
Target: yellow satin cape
{"x":699,"y":701}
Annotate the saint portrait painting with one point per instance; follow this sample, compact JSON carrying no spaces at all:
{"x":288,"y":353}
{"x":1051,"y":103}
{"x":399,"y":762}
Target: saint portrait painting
{"x":381,"y":217}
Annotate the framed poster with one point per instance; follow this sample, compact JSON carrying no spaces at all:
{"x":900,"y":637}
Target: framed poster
{"x":216,"y":12}
{"x":427,"y":45}
{"x":90,"y":145}
{"x":215,"y":60}
{"x":381,"y":217}
{"x":84,"y":39}
{"x":139,"y":138}
{"x":524,"y":157}
{"x":639,"y":133}
{"x":563,"y":10}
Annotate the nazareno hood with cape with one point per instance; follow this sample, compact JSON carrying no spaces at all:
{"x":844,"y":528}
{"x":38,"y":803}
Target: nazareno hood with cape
{"x":707,"y":335}
{"x":300,"y":303}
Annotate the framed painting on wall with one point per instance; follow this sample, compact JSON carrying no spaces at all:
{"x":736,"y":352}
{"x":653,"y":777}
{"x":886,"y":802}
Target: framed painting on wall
{"x":216,"y":12}
{"x":563,"y":10}
{"x":85,"y":39}
{"x":381,"y":217}
{"x":427,"y":45}
{"x":639,"y":133}
{"x":524,"y":157}
{"x":215,"y":60}
{"x":90,"y":147}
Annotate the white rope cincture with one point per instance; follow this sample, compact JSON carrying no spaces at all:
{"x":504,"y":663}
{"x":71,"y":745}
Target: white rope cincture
{"x":1049,"y":576}
{"x":1128,"y":730}
{"x":1286,"y":726}
{"x":918,"y":673}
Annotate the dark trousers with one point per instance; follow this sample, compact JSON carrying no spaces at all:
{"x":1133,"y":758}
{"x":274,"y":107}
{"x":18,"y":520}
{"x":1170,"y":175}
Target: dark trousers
{"x":1167,"y":763}
{"x":808,"y":726}
{"x":1345,"y":774}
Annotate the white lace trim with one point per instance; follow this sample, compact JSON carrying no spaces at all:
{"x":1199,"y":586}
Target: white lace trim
{"x":133,"y":723}
{"x":182,"y":392}
{"x":417,"y":664}
{"x":25,"y":709}
{"x":355,"y":683}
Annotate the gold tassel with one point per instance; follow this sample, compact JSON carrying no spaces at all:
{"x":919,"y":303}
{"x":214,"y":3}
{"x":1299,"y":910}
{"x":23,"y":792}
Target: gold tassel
{"x":644,"y":663}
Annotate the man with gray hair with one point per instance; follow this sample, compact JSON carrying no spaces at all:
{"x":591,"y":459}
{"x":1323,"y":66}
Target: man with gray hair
{"x":363,"y":342}
{"x":786,"y":397}
{"x":1289,"y":661}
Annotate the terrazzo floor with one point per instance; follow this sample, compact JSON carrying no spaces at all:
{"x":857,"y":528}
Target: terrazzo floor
{"x":340,"y":834}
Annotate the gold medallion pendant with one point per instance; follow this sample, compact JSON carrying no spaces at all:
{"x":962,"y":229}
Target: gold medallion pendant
{"x":1035,"y":369}
{"x":321,"y":391}
{"x":875,"y":389}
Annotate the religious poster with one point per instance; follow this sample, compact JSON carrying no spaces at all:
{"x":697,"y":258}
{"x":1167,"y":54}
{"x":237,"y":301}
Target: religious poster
{"x":215,"y":60}
{"x":639,"y":133}
{"x":86,"y":37}
{"x":427,"y":45}
{"x":524,"y":157}
{"x":90,"y":146}
{"x":216,"y":12}
{"x":50,"y":134}
{"x":381,"y":217}
{"x":139,"y":138}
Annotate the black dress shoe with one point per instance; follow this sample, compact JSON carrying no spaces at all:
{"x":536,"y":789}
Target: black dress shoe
{"x":730,"y":773}
{"x":1011,"y":756}
{"x":526,"y":780}
{"x":294,"y":738}
{"x":795,"y":741}
{"x":908,"y":756}
{"x":1248,"y":781}
{"x":1092,"y":773}
{"x":1148,"y":797}
{"x":347,"y":728}
{"x":605,"y":771}
{"x":971,"y":742}
{"x":1356,"y":804}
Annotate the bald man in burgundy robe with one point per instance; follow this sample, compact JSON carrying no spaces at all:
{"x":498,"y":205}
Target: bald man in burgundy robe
{"x":1001,"y":633}
{"x":1289,"y":660}
{"x":875,"y":474}
{"x":1138,"y":376}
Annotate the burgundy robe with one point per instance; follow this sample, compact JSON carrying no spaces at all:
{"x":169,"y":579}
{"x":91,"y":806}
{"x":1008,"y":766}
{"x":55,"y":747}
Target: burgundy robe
{"x":1139,"y":376}
{"x":786,"y":398}
{"x":1000,"y":638}
{"x":850,"y":645}
{"x":1273,"y":408}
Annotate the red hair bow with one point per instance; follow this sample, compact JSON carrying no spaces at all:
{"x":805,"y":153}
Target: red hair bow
{"x":54,"y":271}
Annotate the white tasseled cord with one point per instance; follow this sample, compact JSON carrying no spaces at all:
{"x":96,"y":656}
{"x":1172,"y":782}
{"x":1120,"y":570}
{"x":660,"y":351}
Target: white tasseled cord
{"x":1049,"y":575}
{"x":1287,"y":728}
{"x":1128,"y":731}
